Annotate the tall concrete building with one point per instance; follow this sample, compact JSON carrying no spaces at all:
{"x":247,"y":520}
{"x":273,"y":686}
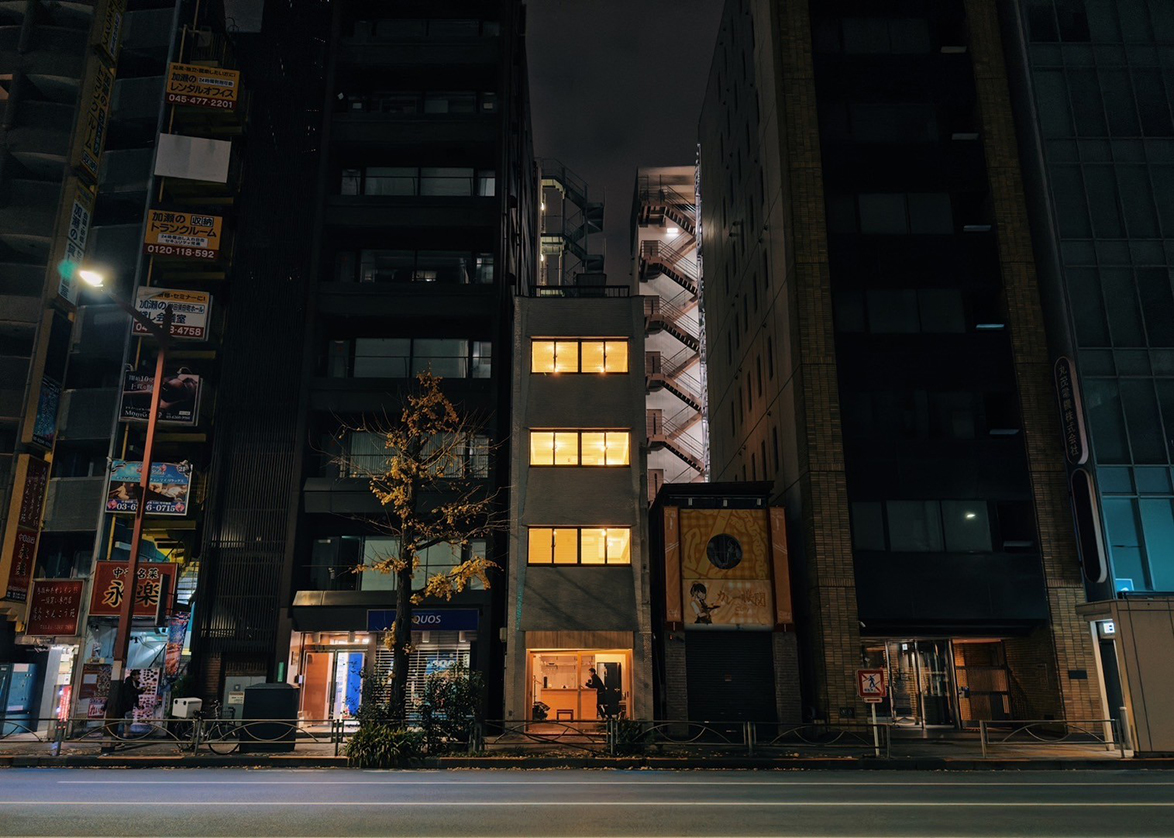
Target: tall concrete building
{"x":1093,"y":86}
{"x":876,"y":349}
{"x":664,"y":245}
{"x":578,"y":594}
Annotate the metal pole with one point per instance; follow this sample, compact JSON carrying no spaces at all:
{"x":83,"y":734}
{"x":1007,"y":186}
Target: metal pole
{"x":982,"y":735}
{"x":129,"y":587}
{"x":875,"y":732}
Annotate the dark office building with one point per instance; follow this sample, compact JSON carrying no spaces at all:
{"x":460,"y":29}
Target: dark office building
{"x":876,"y":348}
{"x":393,"y":221}
{"x":1094,"y":84}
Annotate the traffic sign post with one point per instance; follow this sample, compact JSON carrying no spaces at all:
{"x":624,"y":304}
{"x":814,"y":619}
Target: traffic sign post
{"x":872,"y":689}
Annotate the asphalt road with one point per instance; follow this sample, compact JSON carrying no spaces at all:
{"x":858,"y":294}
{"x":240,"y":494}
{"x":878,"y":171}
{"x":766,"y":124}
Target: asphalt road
{"x":52,"y":802}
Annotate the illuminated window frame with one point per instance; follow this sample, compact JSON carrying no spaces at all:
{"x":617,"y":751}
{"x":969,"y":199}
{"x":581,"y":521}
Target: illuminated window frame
{"x":617,"y":444}
{"x":544,"y":545}
{"x":566,"y":355}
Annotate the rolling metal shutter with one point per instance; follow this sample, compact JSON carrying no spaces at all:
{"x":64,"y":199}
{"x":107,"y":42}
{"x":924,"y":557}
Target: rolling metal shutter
{"x":730,"y":676}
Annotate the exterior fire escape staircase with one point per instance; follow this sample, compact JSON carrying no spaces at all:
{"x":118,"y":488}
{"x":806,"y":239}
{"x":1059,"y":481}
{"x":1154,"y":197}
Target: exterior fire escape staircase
{"x":658,"y":258}
{"x":670,"y":433}
{"x":672,"y":318}
{"x":670,"y":374}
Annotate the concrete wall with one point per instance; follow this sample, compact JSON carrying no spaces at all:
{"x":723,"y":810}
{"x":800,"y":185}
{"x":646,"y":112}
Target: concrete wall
{"x":578,"y":599}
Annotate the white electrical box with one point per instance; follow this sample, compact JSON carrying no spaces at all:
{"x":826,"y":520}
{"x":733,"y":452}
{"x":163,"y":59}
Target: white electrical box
{"x":186,"y":708}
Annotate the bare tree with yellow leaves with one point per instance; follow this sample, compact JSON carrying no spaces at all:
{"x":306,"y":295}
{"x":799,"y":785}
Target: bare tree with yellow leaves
{"x":430,"y":482}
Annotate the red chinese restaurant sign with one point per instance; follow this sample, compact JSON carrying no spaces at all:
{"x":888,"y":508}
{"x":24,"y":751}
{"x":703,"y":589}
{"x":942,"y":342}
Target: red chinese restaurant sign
{"x":110,"y":586}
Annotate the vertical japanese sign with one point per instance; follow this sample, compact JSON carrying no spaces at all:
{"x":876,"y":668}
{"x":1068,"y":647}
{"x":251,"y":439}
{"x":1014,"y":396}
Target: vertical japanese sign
{"x":1071,"y":412}
{"x":72,"y":247}
{"x":177,"y":629}
{"x":94,"y":120}
{"x":110,"y":586}
{"x":110,"y":34}
{"x":24,"y":526}
{"x":55,"y":607}
{"x":49,"y":373}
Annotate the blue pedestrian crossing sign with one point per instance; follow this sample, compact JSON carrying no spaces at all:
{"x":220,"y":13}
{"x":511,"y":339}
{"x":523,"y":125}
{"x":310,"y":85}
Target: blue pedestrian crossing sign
{"x":870,"y":685}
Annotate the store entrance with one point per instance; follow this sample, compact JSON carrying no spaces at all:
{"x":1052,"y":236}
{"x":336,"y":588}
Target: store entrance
{"x":333,"y":684}
{"x":562,"y":688}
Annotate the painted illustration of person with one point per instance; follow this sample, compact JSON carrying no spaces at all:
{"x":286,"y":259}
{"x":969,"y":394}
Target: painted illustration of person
{"x":701,"y":608}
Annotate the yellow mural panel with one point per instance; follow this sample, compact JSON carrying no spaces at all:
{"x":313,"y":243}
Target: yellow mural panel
{"x":725,"y":568}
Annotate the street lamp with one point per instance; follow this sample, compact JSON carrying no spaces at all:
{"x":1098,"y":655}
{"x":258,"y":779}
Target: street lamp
{"x":162,"y":333}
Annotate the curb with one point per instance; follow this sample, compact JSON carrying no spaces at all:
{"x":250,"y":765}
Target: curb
{"x":661,"y":763}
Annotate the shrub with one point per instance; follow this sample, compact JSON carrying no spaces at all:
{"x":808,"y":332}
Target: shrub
{"x":631,"y":737}
{"x":384,"y":745}
{"x":450,"y":707}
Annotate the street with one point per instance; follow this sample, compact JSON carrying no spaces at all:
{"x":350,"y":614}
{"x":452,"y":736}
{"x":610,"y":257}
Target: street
{"x":336,"y":802}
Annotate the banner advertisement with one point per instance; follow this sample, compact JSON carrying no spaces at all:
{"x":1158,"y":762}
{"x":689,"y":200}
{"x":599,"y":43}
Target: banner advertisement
{"x":726,"y":568}
{"x":167,"y":489}
{"x":177,"y":629}
{"x":24,"y":526}
{"x":182,"y":235}
{"x":110,"y":34}
{"x":24,"y":557}
{"x":94,"y":119}
{"x":78,"y":231}
{"x":48,"y":403}
{"x":202,"y":87}
{"x":55,"y":608}
{"x":179,"y":397}
{"x":110,"y":587}
{"x":189,"y":311}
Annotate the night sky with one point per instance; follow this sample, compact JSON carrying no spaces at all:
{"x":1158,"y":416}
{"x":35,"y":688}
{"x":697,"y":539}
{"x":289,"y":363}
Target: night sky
{"x":617,"y":84}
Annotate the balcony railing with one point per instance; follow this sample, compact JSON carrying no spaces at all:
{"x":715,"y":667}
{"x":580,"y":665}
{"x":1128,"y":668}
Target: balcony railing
{"x":579,"y":291}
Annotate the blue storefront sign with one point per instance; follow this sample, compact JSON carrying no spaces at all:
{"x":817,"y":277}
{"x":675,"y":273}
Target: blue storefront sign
{"x":448,"y":619}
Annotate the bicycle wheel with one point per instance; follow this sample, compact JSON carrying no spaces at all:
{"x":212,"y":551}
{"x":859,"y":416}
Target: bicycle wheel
{"x":223,"y":740}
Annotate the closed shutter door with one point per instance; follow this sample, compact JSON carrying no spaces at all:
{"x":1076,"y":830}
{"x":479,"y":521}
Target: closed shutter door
{"x":730,"y":676}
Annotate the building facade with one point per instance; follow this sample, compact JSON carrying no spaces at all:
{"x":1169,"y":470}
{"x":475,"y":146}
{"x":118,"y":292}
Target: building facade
{"x":1092,"y":85}
{"x":667,"y":262}
{"x":876,"y":349}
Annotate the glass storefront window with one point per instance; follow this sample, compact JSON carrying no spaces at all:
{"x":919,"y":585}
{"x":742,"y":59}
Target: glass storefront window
{"x":571,"y":685}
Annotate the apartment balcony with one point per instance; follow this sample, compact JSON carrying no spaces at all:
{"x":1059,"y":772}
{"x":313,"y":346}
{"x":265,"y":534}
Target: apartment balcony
{"x":87,"y":414}
{"x":389,"y":131}
{"x":74,"y":504}
{"x":412,"y":212}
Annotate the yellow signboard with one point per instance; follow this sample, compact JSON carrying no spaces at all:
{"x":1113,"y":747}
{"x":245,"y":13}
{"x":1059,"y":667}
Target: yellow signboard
{"x":202,"y":87}
{"x":94,"y":119}
{"x":182,"y":235}
{"x":726,"y":568}
{"x":109,"y":35}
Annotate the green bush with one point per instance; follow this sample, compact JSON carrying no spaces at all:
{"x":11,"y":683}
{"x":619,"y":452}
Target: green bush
{"x":450,"y":708}
{"x":631,"y":737}
{"x":384,"y":745}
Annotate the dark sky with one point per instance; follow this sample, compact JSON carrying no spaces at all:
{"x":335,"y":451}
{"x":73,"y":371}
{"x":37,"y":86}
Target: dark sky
{"x":617,"y":84}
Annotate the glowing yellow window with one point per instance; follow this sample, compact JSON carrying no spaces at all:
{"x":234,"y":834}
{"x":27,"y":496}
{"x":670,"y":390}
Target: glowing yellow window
{"x":617,"y":355}
{"x":542,"y":356}
{"x":541,"y":448}
{"x":566,"y":546}
{"x":594,"y":448}
{"x":619,"y":546}
{"x":617,"y":448}
{"x":593,"y":356}
{"x":594,"y":543}
{"x":566,"y":449}
{"x":566,"y":356}
{"x":541,"y":545}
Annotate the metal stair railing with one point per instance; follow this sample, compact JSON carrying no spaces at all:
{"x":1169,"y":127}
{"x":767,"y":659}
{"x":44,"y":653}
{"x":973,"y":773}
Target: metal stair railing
{"x":680,"y":422}
{"x":681,"y":360}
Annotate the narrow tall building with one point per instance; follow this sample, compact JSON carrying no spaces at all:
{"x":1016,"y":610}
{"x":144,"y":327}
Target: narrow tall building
{"x":876,"y":349}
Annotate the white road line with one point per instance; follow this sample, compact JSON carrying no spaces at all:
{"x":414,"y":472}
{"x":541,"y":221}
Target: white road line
{"x":619,"y":781}
{"x":579,"y":803}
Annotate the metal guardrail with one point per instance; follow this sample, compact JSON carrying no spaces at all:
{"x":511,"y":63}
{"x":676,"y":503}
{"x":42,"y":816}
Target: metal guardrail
{"x":184,"y":736}
{"x":1052,"y":733}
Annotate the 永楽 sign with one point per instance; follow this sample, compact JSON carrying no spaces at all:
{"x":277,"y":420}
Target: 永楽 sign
{"x":440,"y":619}
{"x":203,"y":87}
{"x":870,"y":685}
{"x":179,"y":397}
{"x":55,"y":607}
{"x":167,"y":489}
{"x":182,"y":235}
{"x":154,"y":578}
{"x":189,"y":311}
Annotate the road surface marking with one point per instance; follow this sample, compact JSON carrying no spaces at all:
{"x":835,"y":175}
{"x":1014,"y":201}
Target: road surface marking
{"x":621,"y":780}
{"x":580,"y":803}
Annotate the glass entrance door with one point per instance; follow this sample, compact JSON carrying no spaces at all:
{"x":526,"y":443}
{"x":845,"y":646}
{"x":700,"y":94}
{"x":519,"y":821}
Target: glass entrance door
{"x":921,"y":682}
{"x":332,"y":685}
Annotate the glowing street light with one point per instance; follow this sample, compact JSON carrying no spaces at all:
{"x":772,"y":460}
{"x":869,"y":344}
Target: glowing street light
{"x":92,"y":278}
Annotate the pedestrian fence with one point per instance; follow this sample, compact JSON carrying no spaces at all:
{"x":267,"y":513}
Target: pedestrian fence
{"x":1023,"y":736}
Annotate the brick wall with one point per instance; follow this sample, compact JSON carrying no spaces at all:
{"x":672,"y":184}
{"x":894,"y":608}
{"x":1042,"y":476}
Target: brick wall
{"x":1042,"y":663}
{"x":676,"y":683}
{"x":788,"y":700}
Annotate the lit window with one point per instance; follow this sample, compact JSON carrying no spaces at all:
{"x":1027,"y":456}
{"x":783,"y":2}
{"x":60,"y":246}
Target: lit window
{"x":617,"y":355}
{"x":579,"y":356}
{"x":566,"y":449}
{"x":542,"y":356}
{"x":541,"y":448}
{"x":579,"y":545}
{"x":566,"y":356}
{"x":593,"y":356}
{"x":580,"y":448}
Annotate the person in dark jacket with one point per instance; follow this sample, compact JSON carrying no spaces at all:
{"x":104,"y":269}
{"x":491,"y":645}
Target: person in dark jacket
{"x":127,"y":701}
{"x":596,"y":683}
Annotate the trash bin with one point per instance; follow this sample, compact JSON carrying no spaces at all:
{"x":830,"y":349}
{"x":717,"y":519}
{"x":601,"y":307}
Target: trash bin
{"x":270,"y":702}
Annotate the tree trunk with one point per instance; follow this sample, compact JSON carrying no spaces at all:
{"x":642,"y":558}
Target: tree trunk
{"x":403,"y":638}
